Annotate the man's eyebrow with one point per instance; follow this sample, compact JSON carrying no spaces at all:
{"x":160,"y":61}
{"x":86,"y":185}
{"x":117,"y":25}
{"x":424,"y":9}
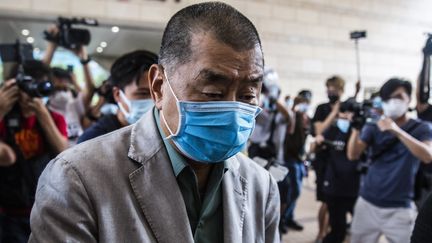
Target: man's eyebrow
{"x":256,"y":79}
{"x":212,"y":76}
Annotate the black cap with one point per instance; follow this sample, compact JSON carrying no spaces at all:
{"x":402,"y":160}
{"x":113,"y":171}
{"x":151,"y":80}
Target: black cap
{"x":61,"y":73}
{"x":393,"y":84}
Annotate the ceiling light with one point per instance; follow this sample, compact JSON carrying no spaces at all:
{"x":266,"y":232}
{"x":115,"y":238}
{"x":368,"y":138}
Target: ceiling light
{"x":99,"y":49}
{"x":25,"y":32}
{"x":30,"y":39}
{"x":115,"y":29}
{"x":103,"y":44}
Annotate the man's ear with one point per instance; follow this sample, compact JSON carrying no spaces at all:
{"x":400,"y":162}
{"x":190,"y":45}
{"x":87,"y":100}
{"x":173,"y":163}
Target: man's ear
{"x":156,"y":81}
{"x":116,"y":94}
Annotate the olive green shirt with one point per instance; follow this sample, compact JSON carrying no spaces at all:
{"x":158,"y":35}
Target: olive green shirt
{"x":204,"y":210}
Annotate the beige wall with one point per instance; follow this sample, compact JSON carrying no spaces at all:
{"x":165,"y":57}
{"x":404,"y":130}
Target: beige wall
{"x":304,"y":40}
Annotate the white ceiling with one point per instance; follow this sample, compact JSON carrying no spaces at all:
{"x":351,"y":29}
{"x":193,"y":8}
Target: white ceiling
{"x":129,"y":38}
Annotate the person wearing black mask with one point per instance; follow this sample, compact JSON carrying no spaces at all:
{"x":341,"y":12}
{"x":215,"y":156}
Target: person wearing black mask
{"x":324,"y":117}
{"x":341,"y":179}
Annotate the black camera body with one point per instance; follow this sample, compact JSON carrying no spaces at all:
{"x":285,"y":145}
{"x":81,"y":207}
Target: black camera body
{"x":355,"y":35}
{"x":364,"y":112}
{"x":70,"y":37}
{"x":32,"y":87}
{"x":19,"y":53}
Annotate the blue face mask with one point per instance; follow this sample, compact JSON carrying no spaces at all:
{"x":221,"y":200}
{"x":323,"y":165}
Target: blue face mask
{"x":303,"y":107}
{"x":109,"y":109}
{"x":137,"y":108}
{"x":377,"y":103}
{"x":211,"y":132}
{"x":343,"y":125}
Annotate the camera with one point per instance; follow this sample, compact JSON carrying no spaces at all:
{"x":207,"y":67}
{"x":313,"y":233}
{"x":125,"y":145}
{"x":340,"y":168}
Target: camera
{"x":357,"y":35}
{"x":32,"y":87}
{"x":70,"y":37}
{"x":364,"y":112}
{"x":19,"y":53}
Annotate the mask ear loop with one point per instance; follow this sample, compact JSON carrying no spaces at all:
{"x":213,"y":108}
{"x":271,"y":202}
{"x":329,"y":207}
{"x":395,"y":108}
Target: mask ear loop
{"x":172,"y":134}
{"x":126,"y":100}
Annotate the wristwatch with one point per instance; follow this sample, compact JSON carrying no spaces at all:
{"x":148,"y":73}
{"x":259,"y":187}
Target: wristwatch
{"x":85,"y":61}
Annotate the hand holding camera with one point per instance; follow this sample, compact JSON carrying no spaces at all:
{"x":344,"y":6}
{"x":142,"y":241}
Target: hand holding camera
{"x":9,"y":94}
{"x":387,"y":124}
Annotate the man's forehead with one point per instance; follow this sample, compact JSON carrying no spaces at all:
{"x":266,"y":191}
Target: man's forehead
{"x":204,"y":47}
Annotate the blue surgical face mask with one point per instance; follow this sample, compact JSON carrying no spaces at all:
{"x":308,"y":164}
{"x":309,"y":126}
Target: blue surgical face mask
{"x":211,"y":132}
{"x":343,"y":125}
{"x":303,"y":107}
{"x":137,"y":108}
{"x":109,"y":109}
{"x":377,"y":103}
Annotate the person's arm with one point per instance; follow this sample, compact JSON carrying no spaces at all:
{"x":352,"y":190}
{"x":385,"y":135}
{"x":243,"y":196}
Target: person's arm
{"x":60,"y":188}
{"x":75,"y":83}
{"x":355,"y":145}
{"x":9,"y":94}
{"x":272,"y":212}
{"x":89,"y":83}
{"x":420,"y":149}
{"x":288,"y":115}
{"x":51,"y":46}
{"x":57,"y":141}
{"x":7,"y":155}
{"x":320,"y":127}
{"x":420,"y":106}
{"x":357,"y":89}
{"x":319,"y":139}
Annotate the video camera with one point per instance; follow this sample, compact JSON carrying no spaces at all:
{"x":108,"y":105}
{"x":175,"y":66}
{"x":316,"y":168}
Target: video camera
{"x":364,"y":112}
{"x":70,"y":37}
{"x":19,"y":53}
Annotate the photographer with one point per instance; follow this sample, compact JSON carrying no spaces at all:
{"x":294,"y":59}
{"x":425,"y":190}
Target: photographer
{"x":130,"y":80}
{"x":294,"y":152}
{"x":40,"y":136}
{"x":267,"y":139}
{"x":325,"y":116}
{"x":69,"y":99}
{"x":424,"y":112}
{"x":341,"y":179}
{"x":397,"y":144}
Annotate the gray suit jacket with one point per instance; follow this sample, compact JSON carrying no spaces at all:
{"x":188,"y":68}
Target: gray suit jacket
{"x":120,"y":187}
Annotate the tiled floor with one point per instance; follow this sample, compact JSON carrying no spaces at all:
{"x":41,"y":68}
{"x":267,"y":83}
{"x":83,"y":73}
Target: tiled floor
{"x":306,"y":214}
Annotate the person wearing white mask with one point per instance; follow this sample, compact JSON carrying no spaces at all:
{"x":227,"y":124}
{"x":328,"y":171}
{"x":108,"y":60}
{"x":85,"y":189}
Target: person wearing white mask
{"x":130,"y":81}
{"x":69,"y":99}
{"x":397,"y":145}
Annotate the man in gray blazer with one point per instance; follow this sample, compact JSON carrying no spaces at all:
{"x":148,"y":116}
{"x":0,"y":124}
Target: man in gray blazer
{"x":176,"y":175}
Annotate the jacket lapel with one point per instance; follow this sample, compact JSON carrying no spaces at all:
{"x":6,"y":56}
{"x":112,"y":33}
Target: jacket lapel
{"x":155,"y":186}
{"x":234,"y":202}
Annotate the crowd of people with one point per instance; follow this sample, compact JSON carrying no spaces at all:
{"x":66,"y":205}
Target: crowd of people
{"x":163,"y":154}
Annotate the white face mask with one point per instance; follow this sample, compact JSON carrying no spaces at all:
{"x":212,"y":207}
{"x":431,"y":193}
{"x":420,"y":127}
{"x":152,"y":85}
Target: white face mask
{"x":394,"y":108}
{"x":60,"y":99}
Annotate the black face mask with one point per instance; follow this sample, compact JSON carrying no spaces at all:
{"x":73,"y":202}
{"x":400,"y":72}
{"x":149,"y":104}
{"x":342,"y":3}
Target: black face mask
{"x":333,"y":98}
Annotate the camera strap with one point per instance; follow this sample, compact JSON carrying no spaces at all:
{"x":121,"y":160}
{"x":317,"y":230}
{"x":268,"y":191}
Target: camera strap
{"x":388,"y":146}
